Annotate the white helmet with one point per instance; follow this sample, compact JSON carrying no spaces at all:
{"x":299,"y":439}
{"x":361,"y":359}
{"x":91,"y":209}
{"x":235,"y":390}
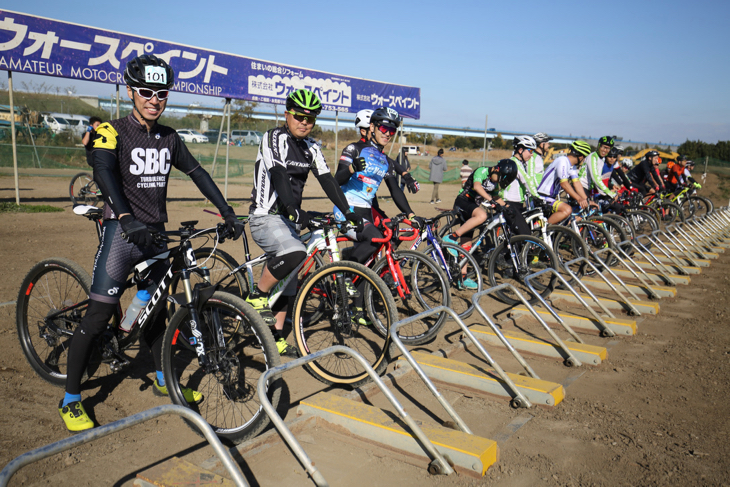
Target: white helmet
{"x":541,"y":137}
{"x":524,"y":141}
{"x":362,"y":119}
{"x":626,"y":162}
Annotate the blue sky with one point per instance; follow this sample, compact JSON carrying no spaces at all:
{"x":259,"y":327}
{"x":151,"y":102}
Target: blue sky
{"x":651,"y":71}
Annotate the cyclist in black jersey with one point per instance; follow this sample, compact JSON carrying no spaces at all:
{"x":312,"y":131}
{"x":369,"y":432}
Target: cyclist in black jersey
{"x":644,"y":177}
{"x":285,"y":158}
{"x":132,"y":158}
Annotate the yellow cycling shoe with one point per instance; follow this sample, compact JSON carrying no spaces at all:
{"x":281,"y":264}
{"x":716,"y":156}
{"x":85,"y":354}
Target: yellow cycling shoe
{"x":191,"y":396}
{"x":75,"y":417}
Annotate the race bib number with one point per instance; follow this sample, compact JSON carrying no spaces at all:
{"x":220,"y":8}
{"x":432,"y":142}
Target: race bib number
{"x":155,"y":74}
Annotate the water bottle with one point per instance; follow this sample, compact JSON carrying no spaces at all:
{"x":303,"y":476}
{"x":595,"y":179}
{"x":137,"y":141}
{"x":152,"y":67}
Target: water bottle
{"x":138,"y":303}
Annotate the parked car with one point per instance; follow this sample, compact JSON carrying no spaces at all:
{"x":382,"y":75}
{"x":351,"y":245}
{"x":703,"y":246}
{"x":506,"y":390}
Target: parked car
{"x":78,"y":123}
{"x":56,"y":122}
{"x":213,"y":136}
{"x":190,"y":135}
{"x":246,"y":137}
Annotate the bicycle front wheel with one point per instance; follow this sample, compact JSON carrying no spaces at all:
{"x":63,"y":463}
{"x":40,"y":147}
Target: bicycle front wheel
{"x":463,"y":273}
{"x":528,"y":255}
{"x":568,"y":245}
{"x":239,"y":348}
{"x":326,"y":294}
{"x":426,"y":288}
{"x":84,"y":190}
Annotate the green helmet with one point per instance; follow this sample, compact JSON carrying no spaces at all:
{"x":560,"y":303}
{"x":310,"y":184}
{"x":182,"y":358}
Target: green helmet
{"x":304,"y":101}
{"x":606,"y":140}
{"x":581,"y":148}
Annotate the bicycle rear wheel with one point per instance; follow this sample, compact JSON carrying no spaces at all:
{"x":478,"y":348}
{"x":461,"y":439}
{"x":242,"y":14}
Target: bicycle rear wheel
{"x":53,"y":299}
{"x":463,"y":273}
{"x":84,"y":190}
{"x":324,"y":292}
{"x":236,"y":357}
{"x":428,"y":288}
{"x":529,"y":255}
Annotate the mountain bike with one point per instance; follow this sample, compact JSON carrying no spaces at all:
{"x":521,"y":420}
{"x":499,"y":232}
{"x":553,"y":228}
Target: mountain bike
{"x":323,"y":310}
{"x":214,"y":342}
{"x":83,"y":190}
{"x":460,"y":267}
{"x":509,"y":259}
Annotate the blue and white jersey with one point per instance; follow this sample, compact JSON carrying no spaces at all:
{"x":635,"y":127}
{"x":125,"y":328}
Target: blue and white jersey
{"x":360,"y":189}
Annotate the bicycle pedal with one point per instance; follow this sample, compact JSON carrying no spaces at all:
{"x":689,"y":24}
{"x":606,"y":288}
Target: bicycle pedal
{"x":118,"y":365}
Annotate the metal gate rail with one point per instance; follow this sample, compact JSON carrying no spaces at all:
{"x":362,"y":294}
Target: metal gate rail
{"x":630,"y":243}
{"x":606,"y":330}
{"x":609,"y":250}
{"x":102,"y":431}
{"x":519,"y":401}
{"x":475,"y":300}
{"x":441,"y":464}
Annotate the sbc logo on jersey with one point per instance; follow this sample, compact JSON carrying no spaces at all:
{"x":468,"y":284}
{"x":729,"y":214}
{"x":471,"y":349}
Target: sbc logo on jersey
{"x":150,"y":161}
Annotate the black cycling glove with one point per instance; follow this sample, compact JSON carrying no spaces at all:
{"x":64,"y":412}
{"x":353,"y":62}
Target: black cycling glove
{"x":358,"y":164}
{"x":411,"y":183}
{"x":419,"y":223}
{"x":298,"y":216}
{"x":234,"y":226}
{"x":135,"y":232}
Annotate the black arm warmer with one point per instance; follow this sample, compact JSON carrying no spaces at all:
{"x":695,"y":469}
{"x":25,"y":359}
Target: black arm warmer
{"x":104,"y":174}
{"x":210,"y":190}
{"x":343,"y":174}
{"x":282,"y":185}
{"x":399,"y":168}
{"x":398,"y":197}
{"x":691,"y":179}
{"x":333,"y":191}
{"x":622,"y":177}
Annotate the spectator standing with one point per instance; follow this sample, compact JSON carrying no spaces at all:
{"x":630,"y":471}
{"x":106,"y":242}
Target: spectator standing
{"x":88,"y":138}
{"x":465,"y":171}
{"x":402,"y":166}
{"x":437,"y":166}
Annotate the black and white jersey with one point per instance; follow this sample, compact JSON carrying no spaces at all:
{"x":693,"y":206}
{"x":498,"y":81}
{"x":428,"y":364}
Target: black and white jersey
{"x":143,"y":163}
{"x":298,"y":156}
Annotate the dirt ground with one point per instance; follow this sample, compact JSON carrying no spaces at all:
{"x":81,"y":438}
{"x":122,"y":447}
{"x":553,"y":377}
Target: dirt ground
{"x":655,"y":413}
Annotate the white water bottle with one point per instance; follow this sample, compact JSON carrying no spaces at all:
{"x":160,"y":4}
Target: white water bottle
{"x":138,"y":303}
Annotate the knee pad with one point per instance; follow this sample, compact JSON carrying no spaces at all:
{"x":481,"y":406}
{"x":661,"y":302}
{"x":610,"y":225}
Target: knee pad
{"x":281,"y":265}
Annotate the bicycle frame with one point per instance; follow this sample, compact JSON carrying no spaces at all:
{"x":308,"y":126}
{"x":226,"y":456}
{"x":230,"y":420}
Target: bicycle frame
{"x":427,"y":235}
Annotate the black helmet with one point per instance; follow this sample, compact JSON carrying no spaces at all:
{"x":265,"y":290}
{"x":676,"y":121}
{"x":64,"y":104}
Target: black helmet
{"x":385,"y":116}
{"x":149,"y":71}
{"x":507,"y":169}
{"x":651,"y":154}
{"x":606,"y":140}
{"x":615,"y":152}
{"x":681,"y":158}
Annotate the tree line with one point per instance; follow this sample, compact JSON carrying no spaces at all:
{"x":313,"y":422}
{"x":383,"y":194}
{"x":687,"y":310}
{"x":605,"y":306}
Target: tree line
{"x":696,"y":149}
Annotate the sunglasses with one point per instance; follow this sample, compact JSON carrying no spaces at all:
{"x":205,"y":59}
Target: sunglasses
{"x":303,"y":118}
{"x":387,"y":130}
{"x":147,"y":94}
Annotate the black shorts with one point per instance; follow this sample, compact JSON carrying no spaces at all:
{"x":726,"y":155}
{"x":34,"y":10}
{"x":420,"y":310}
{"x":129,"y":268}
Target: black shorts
{"x":114,"y":261}
{"x":464,"y":207}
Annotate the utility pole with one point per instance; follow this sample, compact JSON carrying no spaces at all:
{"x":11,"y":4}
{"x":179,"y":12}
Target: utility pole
{"x":484,"y":150}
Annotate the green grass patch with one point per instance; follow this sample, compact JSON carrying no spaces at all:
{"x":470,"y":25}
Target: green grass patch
{"x":6,"y":207}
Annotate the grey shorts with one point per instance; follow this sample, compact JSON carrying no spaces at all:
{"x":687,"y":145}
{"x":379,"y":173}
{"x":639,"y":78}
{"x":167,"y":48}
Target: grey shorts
{"x":276,"y":236}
